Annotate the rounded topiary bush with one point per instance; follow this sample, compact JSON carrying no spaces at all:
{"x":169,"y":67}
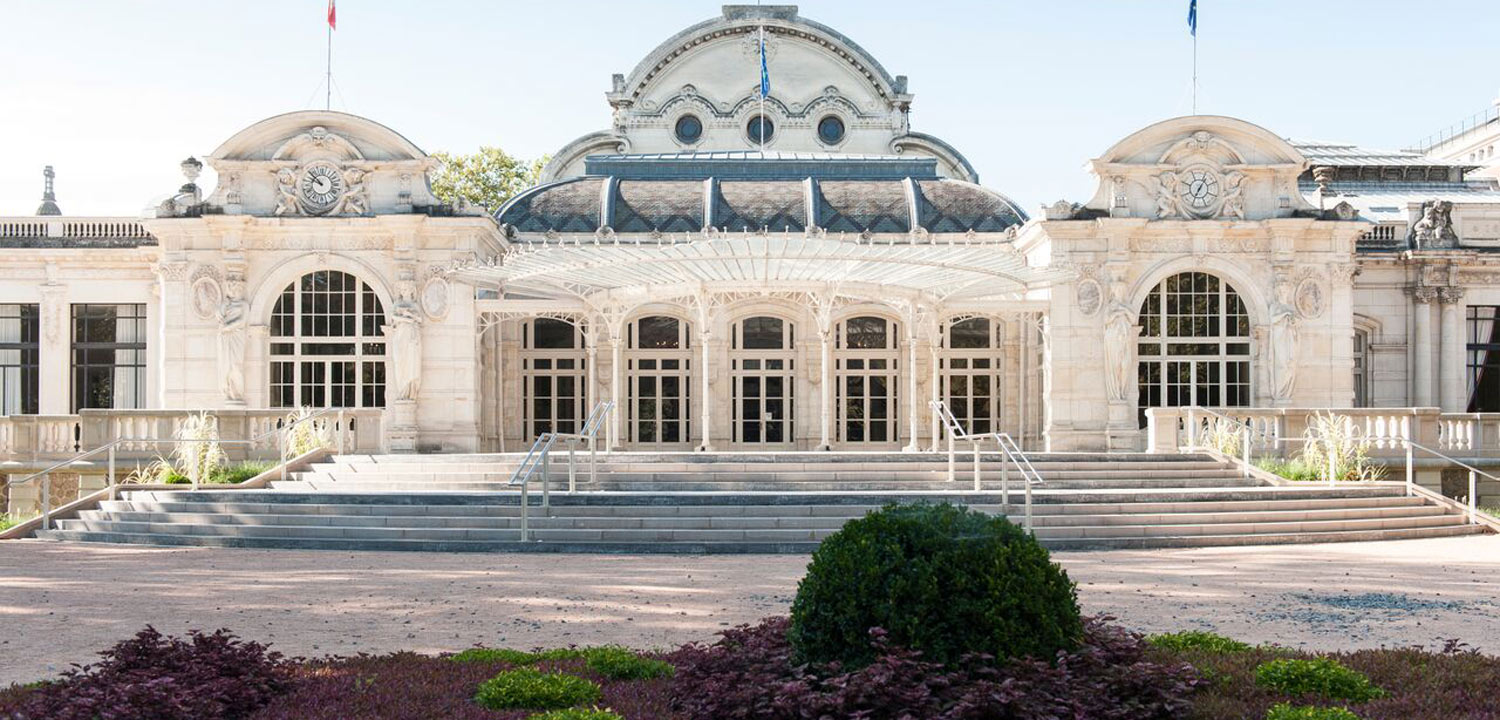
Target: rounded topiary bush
{"x":530,"y":688}
{"x":937,"y":578}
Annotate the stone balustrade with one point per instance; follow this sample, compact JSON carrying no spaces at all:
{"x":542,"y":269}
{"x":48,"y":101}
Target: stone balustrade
{"x":1278,"y":431}
{"x":92,"y":228}
{"x":31,"y":440}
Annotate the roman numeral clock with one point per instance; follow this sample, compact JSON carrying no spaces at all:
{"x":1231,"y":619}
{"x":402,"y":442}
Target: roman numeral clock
{"x":321,"y":185}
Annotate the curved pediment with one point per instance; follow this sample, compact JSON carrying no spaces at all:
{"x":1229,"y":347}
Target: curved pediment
{"x":1200,"y":167}
{"x":320,"y":163}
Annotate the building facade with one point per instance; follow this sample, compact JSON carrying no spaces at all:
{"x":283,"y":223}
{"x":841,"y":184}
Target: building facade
{"x":795,"y":271}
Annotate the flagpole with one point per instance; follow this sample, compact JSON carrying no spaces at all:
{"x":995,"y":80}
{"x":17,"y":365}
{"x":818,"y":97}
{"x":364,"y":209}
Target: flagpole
{"x":762,"y":91}
{"x":328,"y":74}
{"x":1195,"y":71}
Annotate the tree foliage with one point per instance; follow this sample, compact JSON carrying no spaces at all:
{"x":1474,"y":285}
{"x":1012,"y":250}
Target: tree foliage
{"x":486,"y":178}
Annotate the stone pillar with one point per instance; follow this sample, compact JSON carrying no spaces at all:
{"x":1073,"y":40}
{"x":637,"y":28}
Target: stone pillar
{"x":616,"y":382}
{"x":913,"y":403}
{"x":707,"y":403}
{"x":825,"y":426}
{"x":1451,"y":361}
{"x":935,"y":427}
{"x":1421,"y":342}
{"x":56,"y":335}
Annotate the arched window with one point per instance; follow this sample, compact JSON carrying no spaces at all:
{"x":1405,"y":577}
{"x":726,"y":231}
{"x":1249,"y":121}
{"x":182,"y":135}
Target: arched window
{"x":1194,"y":347}
{"x":866,"y":375}
{"x":554,"y":373}
{"x":328,"y":343}
{"x":659,"y":367}
{"x":971,"y":374}
{"x":762,"y":370}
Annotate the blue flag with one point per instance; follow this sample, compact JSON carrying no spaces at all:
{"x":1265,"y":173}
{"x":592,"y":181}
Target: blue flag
{"x":1193,"y":17}
{"x":765,"y":76}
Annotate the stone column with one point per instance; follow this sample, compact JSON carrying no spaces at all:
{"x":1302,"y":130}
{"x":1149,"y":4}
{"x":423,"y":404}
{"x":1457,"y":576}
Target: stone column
{"x":53,"y":357}
{"x":935,"y":357}
{"x":1451,"y":360}
{"x":913,"y":403}
{"x":1422,"y":346}
{"x":707,"y":403}
{"x":825,"y":369}
{"x":616,"y":382}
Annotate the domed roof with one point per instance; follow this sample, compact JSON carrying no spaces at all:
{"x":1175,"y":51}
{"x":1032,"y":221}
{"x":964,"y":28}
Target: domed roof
{"x":740,"y":192}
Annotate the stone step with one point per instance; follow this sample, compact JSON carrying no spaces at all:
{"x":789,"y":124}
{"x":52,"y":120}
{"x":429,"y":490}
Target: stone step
{"x":748,"y":486}
{"x":1041,"y":496}
{"x":780,"y":457}
{"x":766,"y":510}
{"x":761,"y":475}
{"x":965,"y":465}
{"x":627,"y":518}
{"x":721,"y":547}
{"x":719,"y":533}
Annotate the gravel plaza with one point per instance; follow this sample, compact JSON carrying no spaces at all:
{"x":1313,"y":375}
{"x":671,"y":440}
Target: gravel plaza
{"x":63,"y":602}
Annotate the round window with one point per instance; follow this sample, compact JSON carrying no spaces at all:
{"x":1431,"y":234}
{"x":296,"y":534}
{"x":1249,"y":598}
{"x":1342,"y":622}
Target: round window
{"x":831,"y":130}
{"x":760,"y":129}
{"x":689,"y":129}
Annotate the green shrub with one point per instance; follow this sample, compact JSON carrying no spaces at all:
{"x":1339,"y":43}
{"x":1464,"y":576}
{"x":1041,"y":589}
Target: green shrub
{"x":617,"y":663}
{"x":936,"y":578}
{"x":225,"y":475}
{"x":495,"y":655}
{"x":1197,"y":640}
{"x":576,"y":714}
{"x":1286,"y":711}
{"x":1319,"y":676}
{"x":534,"y":689}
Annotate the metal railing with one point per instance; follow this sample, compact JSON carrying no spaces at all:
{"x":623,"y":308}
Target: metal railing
{"x":1011,"y":454}
{"x":1400,"y":436}
{"x":44,"y":477}
{"x":539,"y":457}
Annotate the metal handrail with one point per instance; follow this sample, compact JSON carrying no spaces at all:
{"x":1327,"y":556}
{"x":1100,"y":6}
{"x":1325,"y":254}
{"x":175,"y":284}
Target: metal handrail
{"x":1029,"y":475}
{"x":45,"y":475}
{"x":1011,"y":455}
{"x":539,"y":455}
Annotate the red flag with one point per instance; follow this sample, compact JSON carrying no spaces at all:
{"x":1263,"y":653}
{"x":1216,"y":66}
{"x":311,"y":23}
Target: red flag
{"x":333,"y":21}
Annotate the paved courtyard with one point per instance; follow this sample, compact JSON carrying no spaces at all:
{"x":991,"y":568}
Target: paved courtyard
{"x":60,"y":603}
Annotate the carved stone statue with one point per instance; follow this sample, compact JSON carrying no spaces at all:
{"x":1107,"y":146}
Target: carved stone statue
{"x":233,"y":329}
{"x":1283,"y":337}
{"x":404,"y":336}
{"x":355,"y":201}
{"x":1234,"y":195}
{"x":286,"y":193}
{"x":1120,"y":333}
{"x":1166,"y":196}
{"x":1435,"y":229}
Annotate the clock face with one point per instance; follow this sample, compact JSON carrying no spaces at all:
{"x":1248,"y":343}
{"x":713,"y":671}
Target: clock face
{"x":1200,"y":189}
{"x":322,"y":185}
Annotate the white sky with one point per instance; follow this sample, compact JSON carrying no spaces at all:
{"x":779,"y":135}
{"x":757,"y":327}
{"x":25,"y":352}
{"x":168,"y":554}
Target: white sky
{"x":115,"y":93}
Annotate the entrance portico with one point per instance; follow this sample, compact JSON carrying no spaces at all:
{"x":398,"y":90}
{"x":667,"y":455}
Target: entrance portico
{"x":712,"y":339}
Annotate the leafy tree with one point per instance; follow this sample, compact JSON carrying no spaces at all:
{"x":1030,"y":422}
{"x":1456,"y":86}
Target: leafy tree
{"x":486,"y":178}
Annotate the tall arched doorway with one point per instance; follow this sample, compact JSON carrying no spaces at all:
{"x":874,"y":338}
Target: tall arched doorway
{"x":328,"y":344}
{"x":1194,"y":347}
{"x":554,"y":377}
{"x":866,"y":376}
{"x":762,"y":370}
{"x":971,"y":373}
{"x":659,"y":376}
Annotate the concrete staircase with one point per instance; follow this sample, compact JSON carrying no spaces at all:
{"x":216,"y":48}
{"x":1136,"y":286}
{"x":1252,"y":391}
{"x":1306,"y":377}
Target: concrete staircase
{"x":737,"y":502}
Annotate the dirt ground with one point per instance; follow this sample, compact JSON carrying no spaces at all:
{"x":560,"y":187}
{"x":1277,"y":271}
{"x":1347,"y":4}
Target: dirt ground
{"x":59,"y":603}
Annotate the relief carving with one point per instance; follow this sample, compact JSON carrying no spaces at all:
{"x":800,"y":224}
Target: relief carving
{"x":1435,"y":229}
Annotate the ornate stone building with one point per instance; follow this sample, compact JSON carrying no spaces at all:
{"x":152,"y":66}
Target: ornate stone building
{"x":796,"y":272}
